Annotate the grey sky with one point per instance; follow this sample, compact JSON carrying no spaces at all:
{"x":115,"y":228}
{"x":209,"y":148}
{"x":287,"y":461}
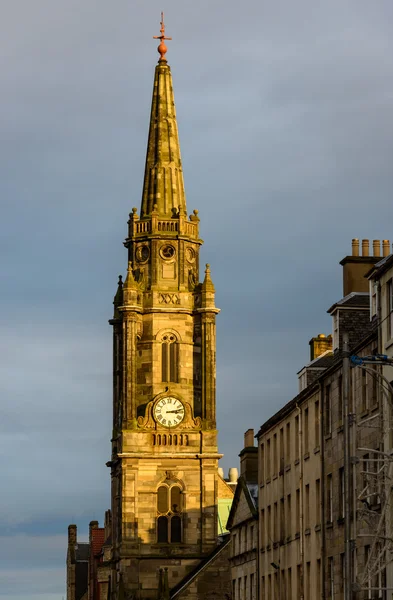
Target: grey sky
{"x":285,"y":114}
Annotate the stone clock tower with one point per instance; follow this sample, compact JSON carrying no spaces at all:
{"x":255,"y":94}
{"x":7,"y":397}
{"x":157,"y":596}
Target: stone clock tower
{"x":164,"y":442}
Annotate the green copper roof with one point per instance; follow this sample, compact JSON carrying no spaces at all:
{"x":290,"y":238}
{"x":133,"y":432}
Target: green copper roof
{"x":224,"y":508}
{"x":163,"y":183}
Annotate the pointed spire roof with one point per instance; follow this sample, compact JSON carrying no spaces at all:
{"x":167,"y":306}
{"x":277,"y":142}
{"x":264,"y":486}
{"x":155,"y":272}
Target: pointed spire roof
{"x":163,"y":183}
{"x":207,"y":284}
{"x":118,"y":299}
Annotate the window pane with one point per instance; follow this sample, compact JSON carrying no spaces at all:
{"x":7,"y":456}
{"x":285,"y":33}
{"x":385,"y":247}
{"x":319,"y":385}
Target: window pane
{"x":173,"y":362}
{"x":175,"y":500}
{"x":164,"y":362}
{"x":162,"y":530}
{"x":162,"y":499}
{"x":175,"y":529}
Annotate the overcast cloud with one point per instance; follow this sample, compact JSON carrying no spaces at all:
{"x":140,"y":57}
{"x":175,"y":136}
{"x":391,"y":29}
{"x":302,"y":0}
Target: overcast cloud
{"x":285,"y":114}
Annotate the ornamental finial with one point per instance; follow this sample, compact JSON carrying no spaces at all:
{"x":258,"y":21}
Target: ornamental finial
{"x":162,"y":49}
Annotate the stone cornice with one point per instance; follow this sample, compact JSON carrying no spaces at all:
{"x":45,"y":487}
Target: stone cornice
{"x":170,"y":455}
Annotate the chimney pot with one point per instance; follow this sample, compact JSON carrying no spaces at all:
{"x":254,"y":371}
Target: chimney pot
{"x":365,"y":248}
{"x":377,"y":247}
{"x":233,"y":475}
{"x":355,"y":247}
{"x":386,"y":247}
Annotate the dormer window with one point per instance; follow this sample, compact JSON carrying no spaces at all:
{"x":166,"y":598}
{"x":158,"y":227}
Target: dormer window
{"x":335,"y":330}
{"x":374,"y":299}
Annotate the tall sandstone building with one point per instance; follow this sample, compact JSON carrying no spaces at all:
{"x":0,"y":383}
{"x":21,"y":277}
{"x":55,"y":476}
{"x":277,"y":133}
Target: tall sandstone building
{"x":164,"y":463}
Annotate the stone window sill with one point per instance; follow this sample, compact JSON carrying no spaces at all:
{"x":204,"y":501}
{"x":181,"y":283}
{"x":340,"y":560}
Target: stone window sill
{"x":297,"y":461}
{"x":307,"y":531}
{"x":328,"y":436}
{"x":340,"y":428}
{"x":297,"y":535}
{"x":329,"y":524}
{"x":340,"y":520}
{"x":317,"y":527}
{"x":288,"y":468}
{"x":317,"y":449}
{"x":306,"y":456}
{"x":389,"y":343}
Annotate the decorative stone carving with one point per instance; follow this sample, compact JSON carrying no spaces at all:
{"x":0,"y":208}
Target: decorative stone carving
{"x":169,"y":299}
{"x":190,"y":254}
{"x":192,"y":279}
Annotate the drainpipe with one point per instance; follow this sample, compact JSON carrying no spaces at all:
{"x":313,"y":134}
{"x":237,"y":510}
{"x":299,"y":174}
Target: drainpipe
{"x":347,"y":472}
{"x":323,"y":507}
{"x":301,"y":516}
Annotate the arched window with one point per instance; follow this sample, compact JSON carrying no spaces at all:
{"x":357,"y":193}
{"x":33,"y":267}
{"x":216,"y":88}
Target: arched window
{"x":169,"y":358}
{"x":169,"y":514}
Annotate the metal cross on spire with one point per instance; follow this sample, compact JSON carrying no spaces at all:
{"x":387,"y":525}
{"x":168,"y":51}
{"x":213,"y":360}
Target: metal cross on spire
{"x":162,"y":49}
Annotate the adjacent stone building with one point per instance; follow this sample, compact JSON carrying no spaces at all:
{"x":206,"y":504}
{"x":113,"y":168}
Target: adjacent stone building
{"x":243,"y":525}
{"x":77,"y":566}
{"x":301,"y":454}
{"x":290,"y":515}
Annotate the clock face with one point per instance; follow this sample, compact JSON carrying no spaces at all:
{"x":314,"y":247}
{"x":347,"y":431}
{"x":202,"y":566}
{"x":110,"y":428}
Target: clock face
{"x":169,"y":411}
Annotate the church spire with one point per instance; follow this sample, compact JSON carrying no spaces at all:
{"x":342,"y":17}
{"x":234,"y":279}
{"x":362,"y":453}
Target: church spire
{"x":163,"y":183}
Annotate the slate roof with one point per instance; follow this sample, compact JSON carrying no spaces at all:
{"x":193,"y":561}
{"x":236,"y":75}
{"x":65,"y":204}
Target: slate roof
{"x":185,"y":582}
{"x":250,"y":491}
{"x":380,"y":268}
{"x":82,"y":551}
{"x":353,"y":300}
{"x":321,"y":362}
{"x":253,"y":491}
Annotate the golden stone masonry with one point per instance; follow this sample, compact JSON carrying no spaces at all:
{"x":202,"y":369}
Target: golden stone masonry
{"x":161,"y":533}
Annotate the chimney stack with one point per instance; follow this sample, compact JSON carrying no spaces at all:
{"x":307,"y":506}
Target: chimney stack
{"x":249,"y":458}
{"x":355,"y":267}
{"x":319,"y":345}
{"x":72,"y":535}
{"x":385,"y":247}
{"x":108,"y":523}
{"x":92,"y":525}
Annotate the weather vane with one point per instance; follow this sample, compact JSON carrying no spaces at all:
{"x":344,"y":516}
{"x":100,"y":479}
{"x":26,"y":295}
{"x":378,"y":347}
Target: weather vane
{"x":162,"y":49}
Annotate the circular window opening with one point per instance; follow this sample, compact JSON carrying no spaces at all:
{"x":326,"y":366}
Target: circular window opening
{"x":167,"y":252}
{"x":142,"y":254}
{"x":190,"y":254}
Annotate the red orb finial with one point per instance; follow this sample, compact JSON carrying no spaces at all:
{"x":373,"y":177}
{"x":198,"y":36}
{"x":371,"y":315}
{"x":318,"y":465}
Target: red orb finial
{"x":162,"y":49}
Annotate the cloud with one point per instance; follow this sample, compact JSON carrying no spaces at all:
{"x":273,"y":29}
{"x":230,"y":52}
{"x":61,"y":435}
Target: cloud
{"x":285,"y":118}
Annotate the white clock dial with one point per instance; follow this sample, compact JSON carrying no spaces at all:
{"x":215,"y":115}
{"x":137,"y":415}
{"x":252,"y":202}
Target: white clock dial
{"x":169,"y":411}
